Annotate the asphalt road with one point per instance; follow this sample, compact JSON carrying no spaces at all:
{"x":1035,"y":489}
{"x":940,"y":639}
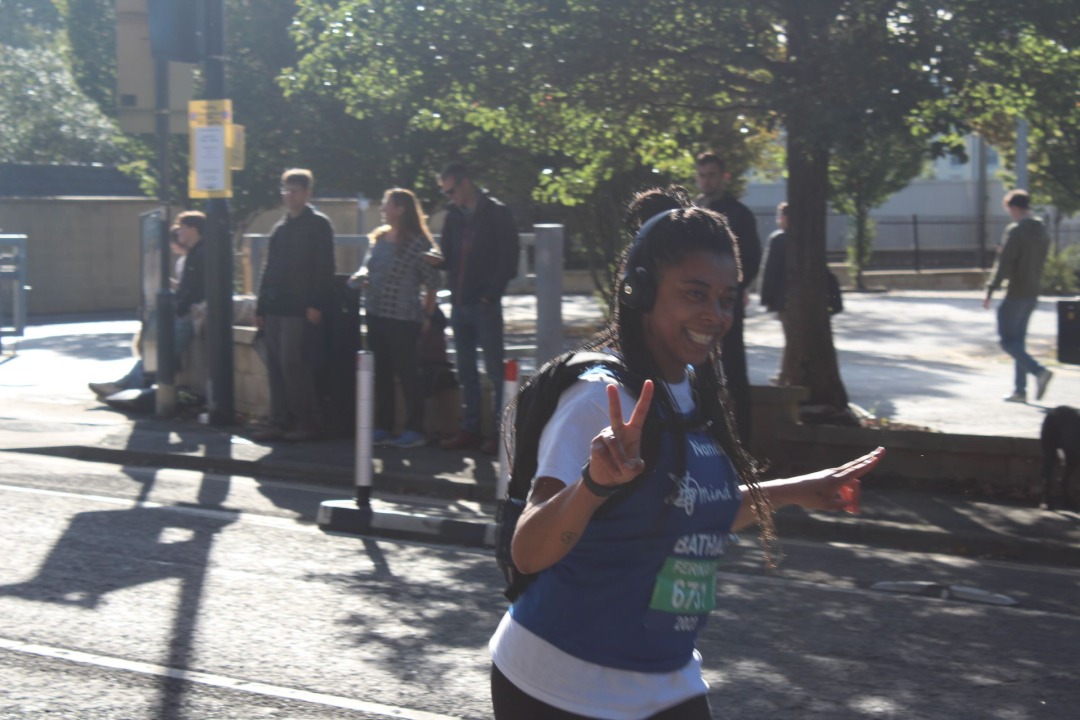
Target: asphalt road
{"x":135,"y":593}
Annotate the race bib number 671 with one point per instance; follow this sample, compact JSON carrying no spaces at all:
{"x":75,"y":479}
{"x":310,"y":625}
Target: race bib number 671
{"x":685,"y":587}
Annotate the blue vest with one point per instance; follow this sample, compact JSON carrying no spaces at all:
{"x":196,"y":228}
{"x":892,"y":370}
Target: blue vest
{"x":637,"y":588}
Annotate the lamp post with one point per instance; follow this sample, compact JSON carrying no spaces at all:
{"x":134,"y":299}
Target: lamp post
{"x":219,"y":268}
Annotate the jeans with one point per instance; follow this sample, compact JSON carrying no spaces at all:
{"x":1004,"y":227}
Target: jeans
{"x":479,"y":325}
{"x":183,"y":334}
{"x":1013,"y":316}
{"x":394,"y":345}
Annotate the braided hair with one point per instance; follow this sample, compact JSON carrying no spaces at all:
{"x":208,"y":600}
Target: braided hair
{"x":684,"y":230}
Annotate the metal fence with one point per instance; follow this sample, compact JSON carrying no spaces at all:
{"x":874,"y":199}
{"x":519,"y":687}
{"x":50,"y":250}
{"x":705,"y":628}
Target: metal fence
{"x":349,"y":251}
{"x":921,"y":242}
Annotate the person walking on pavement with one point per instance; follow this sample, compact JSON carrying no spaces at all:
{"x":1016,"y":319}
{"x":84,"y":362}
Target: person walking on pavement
{"x":391,"y":277}
{"x":625,"y":548}
{"x":296,"y":291}
{"x":186,"y":236}
{"x":712,"y":181}
{"x":480,"y":254}
{"x":1020,"y":262}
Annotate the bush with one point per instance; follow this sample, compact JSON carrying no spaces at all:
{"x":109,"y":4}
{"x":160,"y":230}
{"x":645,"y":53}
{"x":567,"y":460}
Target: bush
{"x":1060,"y":273}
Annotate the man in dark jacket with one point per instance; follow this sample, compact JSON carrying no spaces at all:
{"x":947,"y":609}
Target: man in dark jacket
{"x":295,"y":293}
{"x":1020,"y":262}
{"x":480,"y":253}
{"x":712,"y":180}
{"x":774,"y":282}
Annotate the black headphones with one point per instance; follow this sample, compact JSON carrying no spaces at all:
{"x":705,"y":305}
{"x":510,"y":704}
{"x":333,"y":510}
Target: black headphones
{"x":638,"y":286}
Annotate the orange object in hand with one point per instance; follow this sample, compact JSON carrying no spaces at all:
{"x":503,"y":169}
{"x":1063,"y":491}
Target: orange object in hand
{"x":850,"y":495}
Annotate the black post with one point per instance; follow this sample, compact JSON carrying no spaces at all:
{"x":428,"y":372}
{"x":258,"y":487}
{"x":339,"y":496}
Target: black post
{"x":165,"y":397}
{"x":219,"y":266}
{"x":915,"y":228}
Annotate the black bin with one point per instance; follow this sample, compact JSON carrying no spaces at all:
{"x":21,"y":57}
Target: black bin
{"x":1069,"y":331}
{"x":336,"y":382}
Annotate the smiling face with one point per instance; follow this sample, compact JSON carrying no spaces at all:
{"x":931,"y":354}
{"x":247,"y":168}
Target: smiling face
{"x":695,"y":304}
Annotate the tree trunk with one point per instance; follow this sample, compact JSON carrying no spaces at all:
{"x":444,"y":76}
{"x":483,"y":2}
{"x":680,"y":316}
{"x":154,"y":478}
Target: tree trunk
{"x":862,"y":243}
{"x":811,"y":357}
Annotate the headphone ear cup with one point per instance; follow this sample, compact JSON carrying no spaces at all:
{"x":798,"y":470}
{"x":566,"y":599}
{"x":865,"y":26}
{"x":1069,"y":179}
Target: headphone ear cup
{"x":639,"y":290}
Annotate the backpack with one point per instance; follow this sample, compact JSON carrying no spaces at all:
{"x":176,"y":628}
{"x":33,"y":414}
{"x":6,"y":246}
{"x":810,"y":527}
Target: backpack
{"x":535,"y":404}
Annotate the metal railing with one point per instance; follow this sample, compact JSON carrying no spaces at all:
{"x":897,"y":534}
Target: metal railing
{"x":13,"y":287}
{"x":349,"y":252}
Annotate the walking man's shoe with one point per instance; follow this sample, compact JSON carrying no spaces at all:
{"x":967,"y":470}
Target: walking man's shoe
{"x":1043,"y":380}
{"x":1016,"y":398}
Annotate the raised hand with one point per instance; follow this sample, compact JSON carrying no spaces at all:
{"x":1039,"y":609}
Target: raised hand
{"x":838,"y":488}
{"x":615,"y":454}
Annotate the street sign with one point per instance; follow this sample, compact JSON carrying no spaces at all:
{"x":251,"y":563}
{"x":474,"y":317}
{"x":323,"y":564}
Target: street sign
{"x":211,"y":142}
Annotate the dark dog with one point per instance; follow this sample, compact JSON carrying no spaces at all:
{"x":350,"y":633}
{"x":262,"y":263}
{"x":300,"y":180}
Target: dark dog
{"x":1060,"y":431}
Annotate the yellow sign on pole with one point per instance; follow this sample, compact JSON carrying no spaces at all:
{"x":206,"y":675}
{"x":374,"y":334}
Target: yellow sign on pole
{"x":211,"y":133}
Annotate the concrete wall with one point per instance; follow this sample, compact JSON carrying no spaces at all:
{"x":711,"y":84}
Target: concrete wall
{"x":978,"y":466}
{"x":83,"y":252}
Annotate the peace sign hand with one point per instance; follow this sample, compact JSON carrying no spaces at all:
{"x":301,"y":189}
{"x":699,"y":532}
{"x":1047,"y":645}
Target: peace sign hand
{"x":615,"y":454}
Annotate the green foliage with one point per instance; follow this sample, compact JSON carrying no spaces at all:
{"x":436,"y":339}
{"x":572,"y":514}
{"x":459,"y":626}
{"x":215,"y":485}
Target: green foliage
{"x":91,"y":32}
{"x":44,"y":116}
{"x":1060,"y":274}
{"x":1031,"y":76}
{"x":598,"y":89}
{"x":866,"y":169}
{"x":27,"y":23}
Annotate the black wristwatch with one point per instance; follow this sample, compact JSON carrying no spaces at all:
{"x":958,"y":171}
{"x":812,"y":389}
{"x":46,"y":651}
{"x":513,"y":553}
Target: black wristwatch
{"x":604,"y":491}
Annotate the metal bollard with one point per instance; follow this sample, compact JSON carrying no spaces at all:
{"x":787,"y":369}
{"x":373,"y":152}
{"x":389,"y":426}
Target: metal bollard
{"x":365,"y":413}
{"x":510,"y":388}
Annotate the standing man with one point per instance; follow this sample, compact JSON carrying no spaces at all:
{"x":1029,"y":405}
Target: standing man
{"x":1020,"y":261}
{"x":296,"y":291}
{"x":712,"y":181}
{"x":480,"y":251}
{"x":774,"y":282}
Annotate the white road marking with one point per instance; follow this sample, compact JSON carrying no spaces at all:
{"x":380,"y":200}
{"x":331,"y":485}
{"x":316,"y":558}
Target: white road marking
{"x":203,"y":678}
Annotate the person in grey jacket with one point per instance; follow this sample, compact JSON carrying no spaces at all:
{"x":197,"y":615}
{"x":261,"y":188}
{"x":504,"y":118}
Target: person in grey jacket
{"x":1020,"y":262}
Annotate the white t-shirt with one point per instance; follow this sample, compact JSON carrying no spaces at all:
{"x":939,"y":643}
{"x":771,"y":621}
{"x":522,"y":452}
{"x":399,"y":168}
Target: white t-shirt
{"x":536,"y":666}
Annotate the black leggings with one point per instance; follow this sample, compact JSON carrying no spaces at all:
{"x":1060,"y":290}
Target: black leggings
{"x":510,"y":703}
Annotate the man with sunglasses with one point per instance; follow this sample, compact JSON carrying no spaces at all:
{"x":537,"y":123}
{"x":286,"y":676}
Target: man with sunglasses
{"x":480,"y":250}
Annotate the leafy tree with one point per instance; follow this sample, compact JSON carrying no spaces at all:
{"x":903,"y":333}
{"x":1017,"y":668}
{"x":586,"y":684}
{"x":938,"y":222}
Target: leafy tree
{"x":27,"y":23}
{"x":46,"y":119}
{"x":1036,"y":78}
{"x":866,"y":169}
{"x":603,"y":86}
{"x":91,"y":34}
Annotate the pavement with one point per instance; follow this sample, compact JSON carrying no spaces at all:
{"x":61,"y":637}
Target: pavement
{"x":913,"y":359}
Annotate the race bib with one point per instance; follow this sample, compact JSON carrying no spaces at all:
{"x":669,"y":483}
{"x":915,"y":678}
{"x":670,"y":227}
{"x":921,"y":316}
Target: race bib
{"x":684,"y":594}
